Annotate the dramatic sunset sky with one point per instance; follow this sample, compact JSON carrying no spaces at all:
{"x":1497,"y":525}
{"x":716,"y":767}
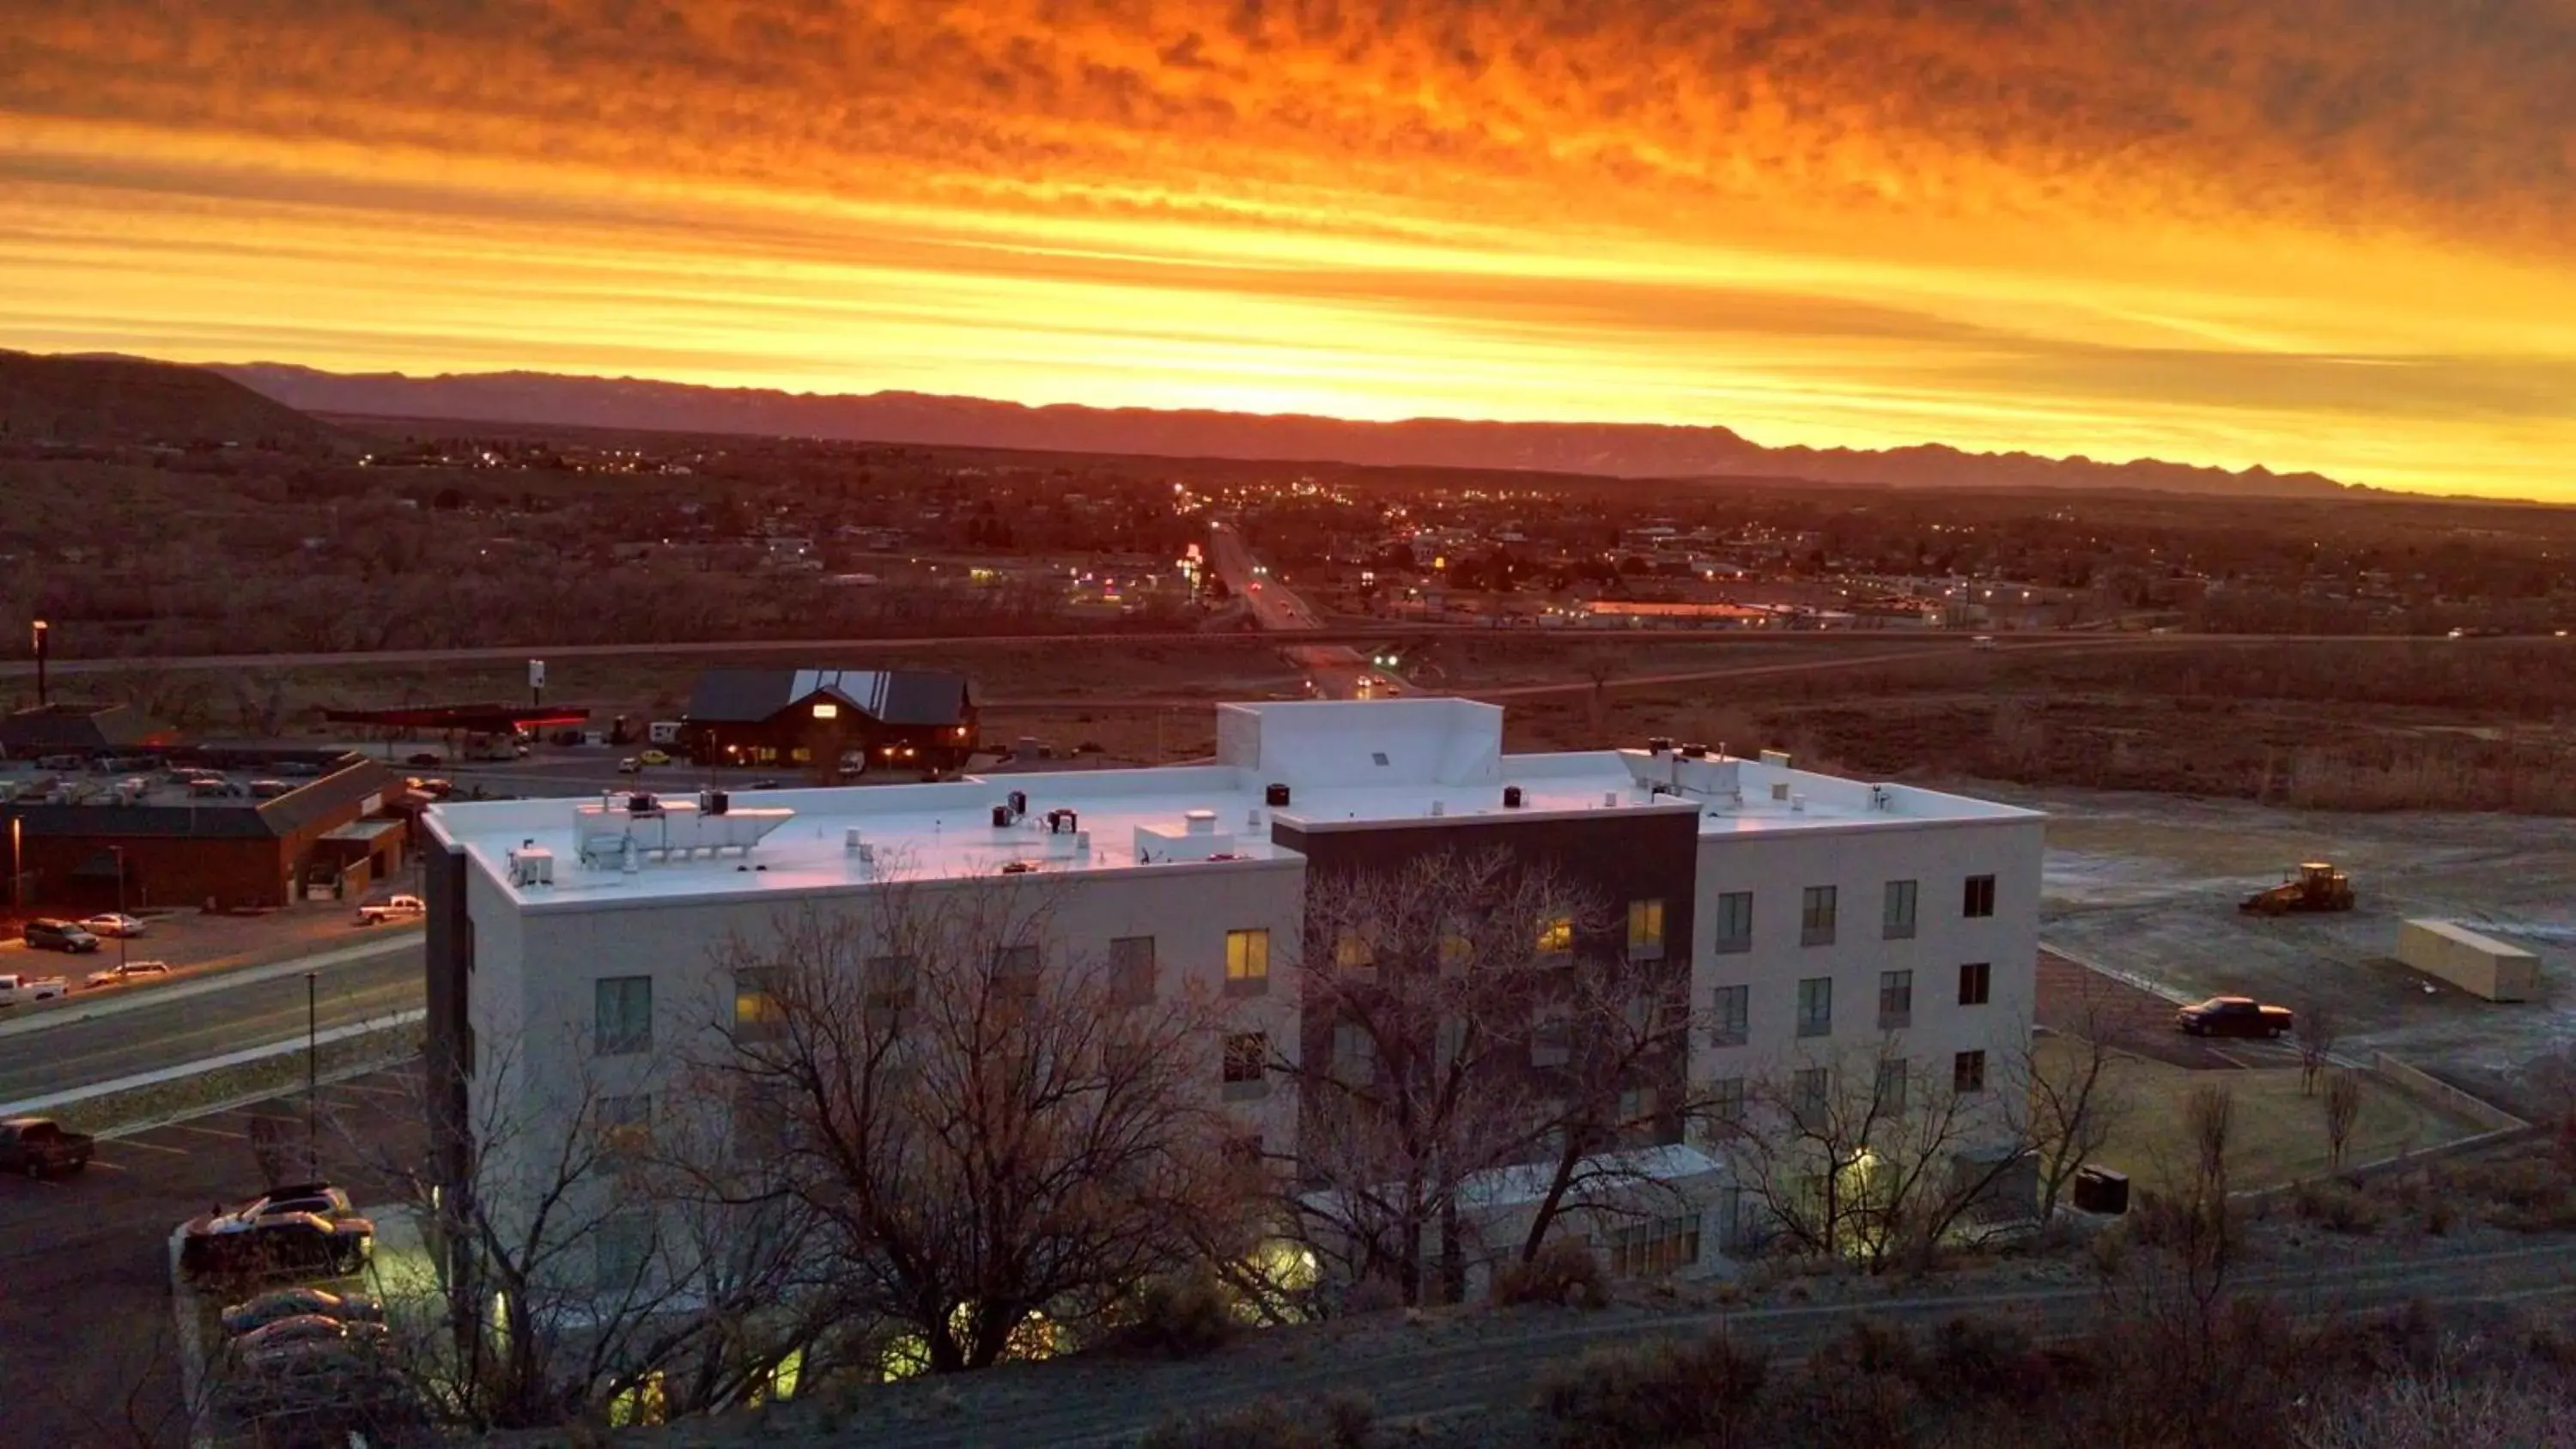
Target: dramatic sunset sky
{"x":2328,"y":234}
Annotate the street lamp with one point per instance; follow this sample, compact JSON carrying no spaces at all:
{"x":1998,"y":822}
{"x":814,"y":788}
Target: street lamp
{"x":312,"y":1091}
{"x":119,"y":852}
{"x":41,"y":632}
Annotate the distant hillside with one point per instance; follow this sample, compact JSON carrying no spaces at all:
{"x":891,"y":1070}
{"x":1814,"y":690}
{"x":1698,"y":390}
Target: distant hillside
{"x":1618,"y":450}
{"x":131,"y":400}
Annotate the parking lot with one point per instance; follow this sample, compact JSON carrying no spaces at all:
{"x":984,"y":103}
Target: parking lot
{"x":2148,"y":886}
{"x":87,"y":1352}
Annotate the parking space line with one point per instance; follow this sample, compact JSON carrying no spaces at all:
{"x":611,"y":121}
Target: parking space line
{"x":150,"y":1146}
{"x":211,"y":1131}
{"x":100,"y":1162}
{"x":374,"y":1091}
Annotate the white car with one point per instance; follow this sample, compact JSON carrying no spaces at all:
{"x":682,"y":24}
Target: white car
{"x":114,"y":924}
{"x":130,"y":971}
{"x":392,"y":908}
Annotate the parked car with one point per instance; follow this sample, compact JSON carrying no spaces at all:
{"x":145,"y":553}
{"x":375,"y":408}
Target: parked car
{"x":2233,"y":1016}
{"x":304,"y":1229}
{"x":765,"y":785}
{"x":302,"y":1330}
{"x":268,"y":789}
{"x":431,"y":786}
{"x":112,"y":924}
{"x":630,"y":766}
{"x":297,"y":768}
{"x":39,"y":1147}
{"x":425,"y":760}
{"x":284,"y":1303}
{"x":392,"y":908}
{"x":47,"y":934}
{"x":16,"y":988}
{"x":125,"y":971}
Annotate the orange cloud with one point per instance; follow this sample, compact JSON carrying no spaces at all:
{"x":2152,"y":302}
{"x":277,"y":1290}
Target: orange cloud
{"x":2310,"y":233}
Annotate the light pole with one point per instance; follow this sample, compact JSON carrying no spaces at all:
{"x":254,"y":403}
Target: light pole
{"x":119,"y":852}
{"x":312,"y":1092}
{"x":41,"y":630}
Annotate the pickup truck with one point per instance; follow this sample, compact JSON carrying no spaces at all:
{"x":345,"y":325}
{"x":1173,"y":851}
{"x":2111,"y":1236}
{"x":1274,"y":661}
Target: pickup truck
{"x":15,"y":988}
{"x":38,"y":1147}
{"x":398,"y":908}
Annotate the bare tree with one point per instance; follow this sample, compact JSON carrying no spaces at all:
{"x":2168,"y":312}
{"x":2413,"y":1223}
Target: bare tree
{"x":2078,"y":1094}
{"x":1454,"y":1025}
{"x":1865,"y":1153}
{"x":2342,"y":1110}
{"x":2316,"y":1041}
{"x":589,"y":1247}
{"x":987,"y":1126}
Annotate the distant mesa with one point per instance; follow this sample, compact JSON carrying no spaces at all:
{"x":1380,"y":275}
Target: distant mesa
{"x":1607,"y":449}
{"x":93,"y":400}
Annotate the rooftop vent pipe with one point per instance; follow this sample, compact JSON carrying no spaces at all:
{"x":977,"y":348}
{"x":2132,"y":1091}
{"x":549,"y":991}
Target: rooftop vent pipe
{"x":1511,"y":797}
{"x":1275,"y":796}
{"x":1659,"y":744}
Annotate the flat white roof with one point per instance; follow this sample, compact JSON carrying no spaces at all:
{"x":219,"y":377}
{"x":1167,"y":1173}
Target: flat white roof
{"x":1347,"y":765}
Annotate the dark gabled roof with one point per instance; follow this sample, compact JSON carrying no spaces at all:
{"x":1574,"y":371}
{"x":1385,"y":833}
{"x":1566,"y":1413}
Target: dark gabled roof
{"x":890,"y":696}
{"x":80,"y":727}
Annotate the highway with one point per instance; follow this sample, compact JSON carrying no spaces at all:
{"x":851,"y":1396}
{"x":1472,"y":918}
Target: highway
{"x":1336,"y":670}
{"x":206,"y":1018}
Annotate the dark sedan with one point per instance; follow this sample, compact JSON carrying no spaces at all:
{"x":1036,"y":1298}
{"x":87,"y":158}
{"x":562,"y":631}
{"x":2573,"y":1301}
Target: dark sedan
{"x":233,"y":1246}
{"x":284,"y":1303}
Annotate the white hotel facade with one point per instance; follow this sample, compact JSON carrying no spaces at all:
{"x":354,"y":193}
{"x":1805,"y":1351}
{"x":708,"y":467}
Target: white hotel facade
{"x":1810,"y":913}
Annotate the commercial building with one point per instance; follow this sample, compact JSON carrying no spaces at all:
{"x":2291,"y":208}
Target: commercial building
{"x":797,"y":718}
{"x":1811,"y":916}
{"x":86,"y":730}
{"x":192,"y":827}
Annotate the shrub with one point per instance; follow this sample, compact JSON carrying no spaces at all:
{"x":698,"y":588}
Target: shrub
{"x":1652,"y":1394}
{"x":1565,"y":1273}
{"x":1347,"y":1420}
{"x":2338,"y":1206}
{"x":1968,"y":1358}
{"x":1183,"y":1315}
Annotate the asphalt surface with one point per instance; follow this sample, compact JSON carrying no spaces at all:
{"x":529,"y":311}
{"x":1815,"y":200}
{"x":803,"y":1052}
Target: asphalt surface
{"x":1337,"y":671}
{"x":87,"y":1349}
{"x":143,"y":1033}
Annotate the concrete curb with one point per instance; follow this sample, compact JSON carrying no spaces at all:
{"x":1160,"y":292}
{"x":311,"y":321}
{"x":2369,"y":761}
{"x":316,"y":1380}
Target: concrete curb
{"x":2125,"y":978}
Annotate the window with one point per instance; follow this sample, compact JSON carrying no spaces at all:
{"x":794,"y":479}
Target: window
{"x":1015,"y":972}
{"x":1131,"y":970}
{"x":1976,"y":981}
{"x":1354,"y":1054}
{"x":1637,"y":1108}
{"x":1352,"y":951}
{"x":827,"y":710}
{"x":1726,"y":1101}
{"x":1807,"y":1090}
{"x":622,"y":1009}
{"x":1730,"y":1016}
{"x":1646,"y":930}
{"x":1654,"y":1248}
{"x":1552,"y":1041}
{"x":757,"y":1012}
{"x":1898,"y":924}
{"x":888,"y":984}
{"x":1968,"y":1072}
{"x":1247,"y":962}
{"x":1555,"y":935}
{"x":1892,"y":1075}
{"x":1895,"y":1000}
{"x":621,"y":1250}
{"x":1816,"y":920}
{"x":1816,"y":1006}
{"x":1980,"y":897}
{"x":1247,"y":1057}
{"x":625,"y":1127}
{"x":1735,"y":921}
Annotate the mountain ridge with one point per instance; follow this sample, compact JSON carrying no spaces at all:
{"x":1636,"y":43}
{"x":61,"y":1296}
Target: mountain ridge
{"x":1631,"y":450}
{"x":65,"y":398}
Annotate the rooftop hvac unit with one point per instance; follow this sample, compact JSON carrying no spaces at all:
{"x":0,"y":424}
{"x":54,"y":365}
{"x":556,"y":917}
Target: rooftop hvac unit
{"x":854,"y":840}
{"x":1659,"y":744}
{"x":642,"y":803}
{"x":1001,"y":817}
{"x":532,"y":865}
{"x":1778,"y":759}
{"x":714,"y":802}
{"x":1062,"y":822}
{"x":1610,"y":797}
{"x":1275,"y":796}
{"x":1694,"y":752}
{"x":1511,"y":797}
{"x":1439,"y":807}
{"x":1199,"y":822}
{"x":1019,"y":803}
{"x":1780,"y":790}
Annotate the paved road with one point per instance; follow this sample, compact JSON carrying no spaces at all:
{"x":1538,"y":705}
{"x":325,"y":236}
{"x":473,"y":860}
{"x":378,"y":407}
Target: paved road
{"x":87,"y":1353}
{"x":151,"y":1033}
{"x":1336,"y":670}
